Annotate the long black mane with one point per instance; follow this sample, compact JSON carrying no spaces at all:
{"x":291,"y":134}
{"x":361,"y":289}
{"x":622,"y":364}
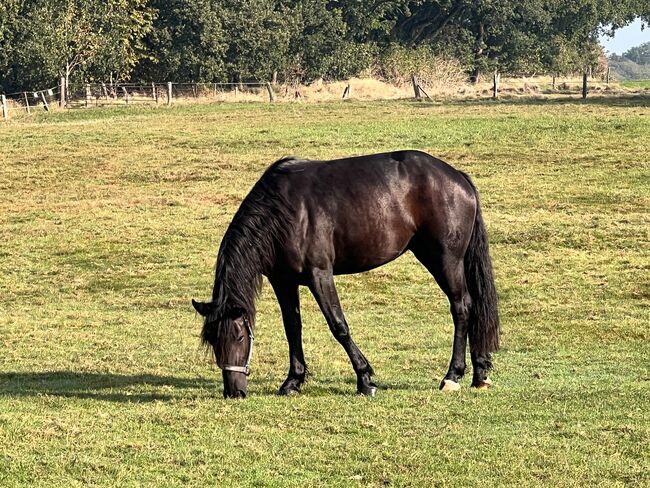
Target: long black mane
{"x":248,"y":250}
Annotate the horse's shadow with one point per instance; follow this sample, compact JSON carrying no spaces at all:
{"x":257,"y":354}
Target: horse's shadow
{"x":104,"y":386}
{"x":143,"y":388}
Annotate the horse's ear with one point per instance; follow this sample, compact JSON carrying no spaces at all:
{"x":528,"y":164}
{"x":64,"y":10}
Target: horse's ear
{"x":204,"y":308}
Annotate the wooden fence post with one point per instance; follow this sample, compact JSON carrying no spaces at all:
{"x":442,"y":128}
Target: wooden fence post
{"x":88,"y":95}
{"x":45,"y":105}
{"x":496,"y":79}
{"x":416,"y":87}
{"x":62,"y":92}
{"x":154,"y":92}
{"x":270,"y":90}
{"x":346,"y":92}
{"x":169,"y":93}
{"x":5,"y":109}
{"x":105,"y":90}
{"x":584,"y":84}
{"x":553,"y":82}
{"x":126,"y":94}
{"x":29,"y":111}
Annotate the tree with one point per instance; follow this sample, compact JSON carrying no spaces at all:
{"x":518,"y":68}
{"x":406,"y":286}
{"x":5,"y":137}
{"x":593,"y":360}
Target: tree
{"x":259,"y":33}
{"x":124,"y":27}
{"x":9,"y":21}
{"x":319,"y":46}
{"x":63,"y":37}
{"x":522,"y":36}
{"x":187,"y":42}
{"x":639,"y":54}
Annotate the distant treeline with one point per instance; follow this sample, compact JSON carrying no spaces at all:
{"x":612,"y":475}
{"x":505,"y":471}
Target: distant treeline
{"x":633,"y":64}
{"x":292,"y":40}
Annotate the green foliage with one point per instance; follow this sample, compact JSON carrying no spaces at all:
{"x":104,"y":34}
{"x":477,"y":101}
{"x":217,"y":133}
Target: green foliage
{"x":186,"y":43}
{"x":246,"y":40}
{"x":125,"y":23}
{"x":9,"y":22}
{"x":634,"y":64}
{"x":318,"y":47}
{"x":57,"y":38}
{"x":258,"y":39}
{"x":639,"y":54}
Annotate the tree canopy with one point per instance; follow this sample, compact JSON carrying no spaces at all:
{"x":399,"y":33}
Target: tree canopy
{"x":253,"y":40}
{"x":634,"y":64}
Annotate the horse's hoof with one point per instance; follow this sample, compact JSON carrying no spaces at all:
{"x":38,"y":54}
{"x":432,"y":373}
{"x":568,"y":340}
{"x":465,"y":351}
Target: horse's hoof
{"x":449,"y":385}
{"x":370,"y":391}
{"x":288,"y":392}
{"x":485,"y":384}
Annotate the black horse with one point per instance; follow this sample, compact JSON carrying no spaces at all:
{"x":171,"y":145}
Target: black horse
{"x":306,"y":221}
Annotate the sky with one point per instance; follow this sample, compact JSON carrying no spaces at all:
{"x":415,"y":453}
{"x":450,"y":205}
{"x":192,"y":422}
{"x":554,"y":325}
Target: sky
{"x":625,"y":38}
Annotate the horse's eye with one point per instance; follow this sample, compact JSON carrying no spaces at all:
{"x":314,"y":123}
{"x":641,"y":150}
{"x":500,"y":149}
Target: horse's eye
{"x":240,"y":339}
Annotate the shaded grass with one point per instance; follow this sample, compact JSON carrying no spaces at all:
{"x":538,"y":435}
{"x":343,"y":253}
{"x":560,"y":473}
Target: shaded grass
{"x":110,"y":221}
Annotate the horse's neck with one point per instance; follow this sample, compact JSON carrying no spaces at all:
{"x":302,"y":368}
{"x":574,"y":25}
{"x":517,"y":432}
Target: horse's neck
{"x":237,"y":275}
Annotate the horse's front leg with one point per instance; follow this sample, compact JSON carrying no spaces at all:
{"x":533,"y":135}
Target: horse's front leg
{"x":288,"y":298}
{"x":323,"y":289}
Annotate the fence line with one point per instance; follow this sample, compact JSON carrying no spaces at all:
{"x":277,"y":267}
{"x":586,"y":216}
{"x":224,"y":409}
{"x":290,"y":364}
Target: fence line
{"x":28,"y":100}
{"x":86,"y":95}
{"x":102,"y":94}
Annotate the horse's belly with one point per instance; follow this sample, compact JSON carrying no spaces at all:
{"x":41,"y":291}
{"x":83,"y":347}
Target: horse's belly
{"x":352,"y":234}
{"x":369,"y":246}
{"x":359,"y":264}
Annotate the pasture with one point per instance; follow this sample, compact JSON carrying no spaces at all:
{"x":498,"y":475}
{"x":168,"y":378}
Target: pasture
{"x":110,"y":221}
{"x":636,"y":84}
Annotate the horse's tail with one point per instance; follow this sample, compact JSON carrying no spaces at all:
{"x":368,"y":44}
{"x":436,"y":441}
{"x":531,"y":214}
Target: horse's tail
{"x":484,"y":315}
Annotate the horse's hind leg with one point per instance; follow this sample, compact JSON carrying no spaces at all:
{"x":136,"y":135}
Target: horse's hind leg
{"x":448,"y":270}
{"x":288,"y":298}
{"x":482,"y":363}
{"x":322,"y":286}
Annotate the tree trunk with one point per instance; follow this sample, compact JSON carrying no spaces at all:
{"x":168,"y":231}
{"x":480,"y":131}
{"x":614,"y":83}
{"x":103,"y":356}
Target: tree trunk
{"x":478,"y":53}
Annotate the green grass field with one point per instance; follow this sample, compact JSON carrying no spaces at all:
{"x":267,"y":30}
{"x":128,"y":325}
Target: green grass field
{"x":636,"y":84}
{"x":110,"y":221}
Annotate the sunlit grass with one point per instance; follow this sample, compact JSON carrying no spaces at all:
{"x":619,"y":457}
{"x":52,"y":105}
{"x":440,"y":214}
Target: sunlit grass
{"x":110,"y":221}
{"x":636,"y":83}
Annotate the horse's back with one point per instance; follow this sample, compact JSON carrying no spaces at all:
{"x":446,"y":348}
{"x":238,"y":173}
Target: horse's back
{"x":355,"y":173}
{"x":358,"y":213}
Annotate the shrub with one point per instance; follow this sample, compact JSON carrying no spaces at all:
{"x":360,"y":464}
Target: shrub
{"x":435,"y":72}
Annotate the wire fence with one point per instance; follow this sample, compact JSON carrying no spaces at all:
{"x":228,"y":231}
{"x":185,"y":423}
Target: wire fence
{"x":29,"y":101}
{"x":103,"y":94}
{"x":86,"y":95}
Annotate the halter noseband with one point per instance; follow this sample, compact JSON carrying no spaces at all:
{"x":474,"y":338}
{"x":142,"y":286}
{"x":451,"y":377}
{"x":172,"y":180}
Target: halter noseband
{"x":246,"y":367}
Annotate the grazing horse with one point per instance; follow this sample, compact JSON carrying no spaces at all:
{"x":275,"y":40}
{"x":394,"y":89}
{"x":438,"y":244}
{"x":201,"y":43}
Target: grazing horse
{"x":306,"y":221}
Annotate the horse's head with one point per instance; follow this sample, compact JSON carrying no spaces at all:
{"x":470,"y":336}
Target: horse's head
{"x":230,"y":335}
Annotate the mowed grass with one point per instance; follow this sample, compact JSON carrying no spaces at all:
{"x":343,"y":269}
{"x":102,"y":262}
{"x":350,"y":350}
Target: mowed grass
{"x":110,"y":221}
